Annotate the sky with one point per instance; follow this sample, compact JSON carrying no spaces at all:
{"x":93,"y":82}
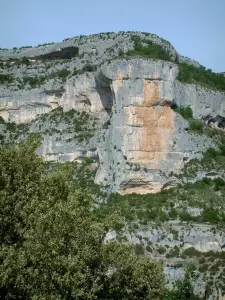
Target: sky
{"x":196,"y":28}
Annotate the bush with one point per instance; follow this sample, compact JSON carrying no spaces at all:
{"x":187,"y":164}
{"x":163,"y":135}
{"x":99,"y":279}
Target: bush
{"x":222,"y":150}
{"x":148,"y":248}
{"x":185,"y":112}
{"x":173,"y":214}
{"x":201,"y":76}
{"x":184,"y":288}
{"x":89,"y":68}
{"x":211,"y":216}
{"x":89,"y":160}
{"x":34,"y":81}
{"x":148,"y":49}
{"x":25,"y":61}
{"x":219,"y":182}
{"x":211,"y":153}
{"x":52,"y":240}
{"x":196,"y":125}
{"x":174,"y":252}
{"x":5,"y":78}
{"x":62,"y":74}
{"x":192,"y":252}
{"x":139,"y":249}
{"x":161,"y":250}
{"x":185,"y":216}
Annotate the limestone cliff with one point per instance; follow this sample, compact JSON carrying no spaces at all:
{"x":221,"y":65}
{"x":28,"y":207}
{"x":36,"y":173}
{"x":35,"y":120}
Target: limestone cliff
{"x":87,"y":100}
{"x":145,"y":139}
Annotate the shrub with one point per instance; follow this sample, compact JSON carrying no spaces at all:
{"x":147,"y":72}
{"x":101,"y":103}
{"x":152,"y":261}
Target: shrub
{"x":211,"y":216}
{"x":163,"y":216}
{"x":222,"y":150}
{"x":148,"y":248}
{"x":89,"y":68}
{"x":89,"y":160}
{"x":185,"y":216}
{"x":196,"y":125}
{"x":147,"y":48}
{"x":5,"y":78}
{"x":34,"y":81}
{"x":25,"y":61}
{"x":201,"y":76}
{"x":173,"y":214}
{"x":211,"y":153}
{"x":161,"y":250}
{"x":52,"y":242}
{"x":63,"y":74}
{"x":219,"y":182}
{"x":185,"y":112}
{"x":139,"y":249}
{"x":174,"y":252}
{"x":192,"y":252}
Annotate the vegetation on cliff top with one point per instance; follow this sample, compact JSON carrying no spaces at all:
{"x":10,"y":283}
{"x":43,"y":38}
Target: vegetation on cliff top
{"x":187,"y":73}
{"x":144,"y":48}
{"x":148,"y":49}
{"x":201,"y":76}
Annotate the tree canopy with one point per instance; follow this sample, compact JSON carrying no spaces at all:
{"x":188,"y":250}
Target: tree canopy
{"x":54,"y":246}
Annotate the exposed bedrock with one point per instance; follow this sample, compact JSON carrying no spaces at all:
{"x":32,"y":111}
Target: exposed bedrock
{"x":143,"y":140}
{"x":146,"y":139}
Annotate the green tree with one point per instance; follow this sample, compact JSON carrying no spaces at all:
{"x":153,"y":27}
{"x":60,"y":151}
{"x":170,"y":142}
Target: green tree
{"x":54,"y":244}
{"x":184,"y":288}
{"x":25,"y":61}
{"x":20,"y":182}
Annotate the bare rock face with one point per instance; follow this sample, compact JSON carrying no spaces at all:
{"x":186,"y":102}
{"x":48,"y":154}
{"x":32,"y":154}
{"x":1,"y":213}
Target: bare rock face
{"x":143,"y":139}
{"x":146,"y":139}
{"x":119,"y":113}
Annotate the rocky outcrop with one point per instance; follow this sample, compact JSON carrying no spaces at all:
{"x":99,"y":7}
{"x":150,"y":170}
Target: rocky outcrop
{"x":144,"y":140}
{"x":121,"y":116}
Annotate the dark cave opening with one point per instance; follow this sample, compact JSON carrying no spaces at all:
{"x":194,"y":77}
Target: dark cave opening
{"x":103,"y":87}
{"x":66,"y":53}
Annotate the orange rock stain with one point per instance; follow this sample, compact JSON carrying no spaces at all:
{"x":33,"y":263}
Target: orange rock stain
{"x":154,"y":126}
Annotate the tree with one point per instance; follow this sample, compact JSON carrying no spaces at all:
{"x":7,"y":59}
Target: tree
{"x":25,"y":61}
{"x":184,"y":288}
{"x":20,"y":181}
{"x":55,"y":244}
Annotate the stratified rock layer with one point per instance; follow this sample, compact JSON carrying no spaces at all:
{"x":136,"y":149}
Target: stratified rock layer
{"x":145,"y":140}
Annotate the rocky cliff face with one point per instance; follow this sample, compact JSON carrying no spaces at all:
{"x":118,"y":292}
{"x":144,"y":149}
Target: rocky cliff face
{"x":145,"y":139}
{"x":122,"y":115}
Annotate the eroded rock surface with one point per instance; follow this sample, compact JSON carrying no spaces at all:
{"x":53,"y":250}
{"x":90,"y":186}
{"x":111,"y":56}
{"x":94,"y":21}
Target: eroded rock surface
{"x":144,"y":140}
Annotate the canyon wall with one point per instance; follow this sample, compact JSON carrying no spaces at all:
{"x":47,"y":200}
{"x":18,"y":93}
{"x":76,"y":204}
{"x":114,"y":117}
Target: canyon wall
{"x":144,"y":140}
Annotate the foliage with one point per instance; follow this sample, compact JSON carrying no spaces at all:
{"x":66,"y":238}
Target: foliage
{"x":148,"y":208}
{"x":88,"y":68}
{"x":6,"y":78}
{"x":37,"y":81}
{"x":45,"y":44}
{"x":20,"y":180}
{"x":62,"y":74}
{"x":184,"y":288}
{"x":25,"y":61}
{"x":34,"y":81}
{"x":78,"y":122}
{"x":53,"y":244}
{"x":196,"y":126}
{"x":201,"y":76}
{"x":185,"y":112}
{"x":212,"y":159}
{"x":148,"y":49}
